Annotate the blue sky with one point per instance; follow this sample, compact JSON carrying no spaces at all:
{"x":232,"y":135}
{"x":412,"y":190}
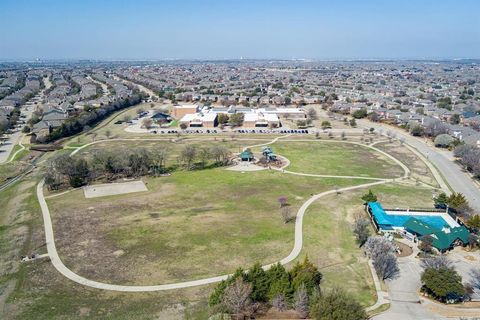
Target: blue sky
{"x":213,"y":29}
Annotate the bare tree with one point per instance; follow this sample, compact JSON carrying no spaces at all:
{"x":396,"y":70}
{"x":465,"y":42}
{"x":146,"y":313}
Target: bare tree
{"x":127,"y":118}
{"x":279,"y":302}
{"x":301,"y":301}
{"x":285,"y":212}
{"x":159,"y":159}
{"x":147,"y":123}
{"x":204,"y":155}
{"x":377,"y":246}
{"x":386,"y":266}
{"x":237,"y":297}
{"x":188,"y":155}
{"x":382,"y":252}
{"x":361,"y":229}
{"x":108,"y":133}
{"x":220,"y":154}
{"x":312,"y":113}
{"x":436,"y":262}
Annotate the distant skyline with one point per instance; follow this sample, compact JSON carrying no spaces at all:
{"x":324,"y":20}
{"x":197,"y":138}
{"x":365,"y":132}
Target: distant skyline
{"x":214,"y":29}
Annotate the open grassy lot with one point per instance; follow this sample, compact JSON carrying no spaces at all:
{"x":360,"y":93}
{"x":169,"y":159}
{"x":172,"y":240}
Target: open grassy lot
{"x":336,"y":158}
{"x":36,"y":291}
{"x":11,"y":169}
{"x":188,"y":226}
{"x":418,"y":168}
{"x":330,"y":243}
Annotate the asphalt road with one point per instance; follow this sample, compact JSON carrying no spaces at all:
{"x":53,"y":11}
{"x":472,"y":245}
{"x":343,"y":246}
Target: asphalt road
{"x":453,"y":173}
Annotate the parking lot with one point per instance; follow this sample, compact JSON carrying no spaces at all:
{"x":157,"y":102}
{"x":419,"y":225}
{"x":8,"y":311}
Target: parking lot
{"x":464,"y":262}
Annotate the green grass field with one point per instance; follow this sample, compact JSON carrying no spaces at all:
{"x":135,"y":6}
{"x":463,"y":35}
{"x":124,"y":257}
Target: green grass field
{"x":336,"y":158}
{"x":329,"y":241}
{"x":189,"y":225}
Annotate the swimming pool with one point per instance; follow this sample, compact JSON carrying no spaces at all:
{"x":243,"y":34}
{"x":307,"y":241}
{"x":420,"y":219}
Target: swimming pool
{"x":398,"y":220}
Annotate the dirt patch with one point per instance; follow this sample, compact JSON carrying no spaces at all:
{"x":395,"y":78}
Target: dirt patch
{"x":275,"y":314}
{"x":110,"y":189}
{"x":405,"y":250}
{"x":470,"y":258}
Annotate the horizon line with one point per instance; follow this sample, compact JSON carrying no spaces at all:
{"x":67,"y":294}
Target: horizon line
{"x":372,"y":59}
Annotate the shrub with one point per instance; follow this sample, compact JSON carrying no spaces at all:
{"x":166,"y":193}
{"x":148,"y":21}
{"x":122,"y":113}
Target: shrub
{"x":443,"y":141}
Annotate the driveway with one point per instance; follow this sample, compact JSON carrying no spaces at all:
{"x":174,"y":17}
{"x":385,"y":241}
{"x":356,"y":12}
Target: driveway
{"x":404,"y":300}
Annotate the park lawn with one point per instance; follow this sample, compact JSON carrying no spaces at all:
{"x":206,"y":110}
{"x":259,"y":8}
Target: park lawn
{"x":11,"y":169}
{"x":336,"y":158}
{"x":329,"y":241}
{"x":419,"y":170}
{"x":187,"y":226}
{"x":36,"y":291}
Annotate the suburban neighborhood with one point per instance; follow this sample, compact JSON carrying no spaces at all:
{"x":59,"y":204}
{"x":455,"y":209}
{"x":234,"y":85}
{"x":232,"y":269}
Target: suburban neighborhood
{"x":222,"y":160}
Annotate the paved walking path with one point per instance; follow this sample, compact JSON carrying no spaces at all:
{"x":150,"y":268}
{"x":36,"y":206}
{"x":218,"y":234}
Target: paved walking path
{"x":22,"y":147}
{"x":58,"y":264}
{"x":382,"y":296}
{"x":298,"y":241}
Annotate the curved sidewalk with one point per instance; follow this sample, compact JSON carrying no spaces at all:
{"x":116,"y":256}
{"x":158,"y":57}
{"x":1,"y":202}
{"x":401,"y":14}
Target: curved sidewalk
{"x":58,"y":264}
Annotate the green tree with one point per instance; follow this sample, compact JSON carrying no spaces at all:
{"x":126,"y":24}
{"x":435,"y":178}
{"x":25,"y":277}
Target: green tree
{"x":369,"y":197}
{"x":222,"y":118}
{"x":279,"y":282}
{"x":458,"y":202}
{"x":474,"y":223}
{"x":359,"y":114}
{"x":307,"y":274}
{"x":337,"y":305}
{"x":441,"y":200}
{"x":445,"y":103}
{"x":455,"y":119}
{"x":417,"y":131}
{"x":236,"y":119}
{"x":326,"y":125}
{"x":442,"y":284}
{"x":260,"y":283}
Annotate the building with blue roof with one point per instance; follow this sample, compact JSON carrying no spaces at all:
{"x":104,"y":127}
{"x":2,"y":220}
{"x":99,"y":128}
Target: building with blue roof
{"x":416,"y":226}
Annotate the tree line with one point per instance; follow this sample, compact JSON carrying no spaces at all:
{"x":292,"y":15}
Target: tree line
{"x":63,"y":170}
{"x":89,"y":117}
{"x":252,"y":292}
